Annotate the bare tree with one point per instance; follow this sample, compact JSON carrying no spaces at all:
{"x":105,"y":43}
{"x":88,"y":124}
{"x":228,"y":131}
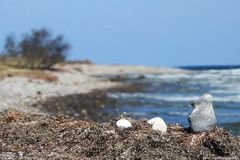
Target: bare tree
{"x":38,"y":50}
{"x":10,"y":46}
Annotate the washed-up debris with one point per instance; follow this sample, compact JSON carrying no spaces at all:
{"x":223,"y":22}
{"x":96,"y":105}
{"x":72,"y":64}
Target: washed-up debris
{"x":32,"y":136}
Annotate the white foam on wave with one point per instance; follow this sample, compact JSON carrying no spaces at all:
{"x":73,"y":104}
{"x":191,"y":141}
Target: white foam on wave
{"x":167,"y":76}
{"x":208,"y":75}
{"x":151,"y":96}
{"x":218,"y":114}
{"x":228,"y":114}
{"x":226,"y":91}
{"x":137,"y":113}
{"x":173,"y":98}
{"x":177,"y":113}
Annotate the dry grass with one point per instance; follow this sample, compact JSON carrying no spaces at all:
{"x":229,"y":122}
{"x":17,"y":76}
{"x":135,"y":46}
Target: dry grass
{"x":85,"y":61}
{"x":7,"y":71}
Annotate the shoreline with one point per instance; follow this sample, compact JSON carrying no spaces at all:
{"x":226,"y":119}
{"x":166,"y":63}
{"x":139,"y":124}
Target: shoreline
{"x":91,"y":106}
{"x":21,"y":92}
{"x":94,"y":69}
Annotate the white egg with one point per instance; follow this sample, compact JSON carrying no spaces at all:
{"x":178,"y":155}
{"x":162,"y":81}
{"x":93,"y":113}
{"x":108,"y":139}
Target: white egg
{"x":123,"y":123}
{"x":158,"y":124}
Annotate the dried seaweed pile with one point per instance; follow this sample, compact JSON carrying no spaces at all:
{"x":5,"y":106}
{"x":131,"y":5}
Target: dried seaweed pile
{"x":87,"y":106}
{"x":24,"y":135}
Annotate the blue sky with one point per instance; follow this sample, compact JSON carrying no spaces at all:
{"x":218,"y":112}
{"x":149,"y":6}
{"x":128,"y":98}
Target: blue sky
{"x":137,"y":32}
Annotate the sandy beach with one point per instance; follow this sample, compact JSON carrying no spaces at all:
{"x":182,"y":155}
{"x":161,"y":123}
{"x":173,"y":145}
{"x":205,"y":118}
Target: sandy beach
{"x":21,"y":92}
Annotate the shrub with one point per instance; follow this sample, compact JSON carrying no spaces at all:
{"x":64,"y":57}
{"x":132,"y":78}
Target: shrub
{"x":37,"y":50}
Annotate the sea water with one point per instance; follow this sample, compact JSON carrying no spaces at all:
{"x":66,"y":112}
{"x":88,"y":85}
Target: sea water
{"x":170,"y":95}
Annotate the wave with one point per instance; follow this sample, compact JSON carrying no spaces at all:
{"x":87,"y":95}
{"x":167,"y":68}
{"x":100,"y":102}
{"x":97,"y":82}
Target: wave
{"x":210,"y":74}
{"x":167,"y":76}
{"x":217,"y":114}
{"x":172,"y":98}
{"x":177,"y":113}
{"x":233,"y":91}
{"x":228,"y":114}
{"x":183,"y":114}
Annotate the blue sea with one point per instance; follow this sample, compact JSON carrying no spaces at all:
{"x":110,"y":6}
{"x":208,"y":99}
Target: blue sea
{"x":170,"y":95}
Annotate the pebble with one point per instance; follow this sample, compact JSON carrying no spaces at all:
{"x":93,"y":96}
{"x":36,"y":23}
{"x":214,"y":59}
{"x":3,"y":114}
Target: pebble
{"x":158,"y":124}
{"x":123,"y":123}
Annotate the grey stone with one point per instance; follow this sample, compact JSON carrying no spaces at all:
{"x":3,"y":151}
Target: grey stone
{"x":203,"y":117}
